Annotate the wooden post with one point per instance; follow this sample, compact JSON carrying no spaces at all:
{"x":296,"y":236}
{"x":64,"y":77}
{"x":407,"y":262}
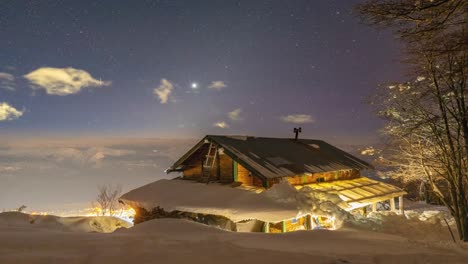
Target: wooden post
{"x":374,"y":207}
{"x":218,"y":169}
{"x":392,"y":205}
{"x":265,"y":183}
{"x":400,"y":205}
{"x":234,"y":170}
{"x":309,"y":222}
{"x":283,"y":227}
{"x":266,"y":227}
{"x":312,"y":221}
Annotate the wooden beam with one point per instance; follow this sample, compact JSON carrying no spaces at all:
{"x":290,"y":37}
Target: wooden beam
{"x":309,"y":222}
{"x":218,"y":169}
{"x":400,"y":205}
{"x":374,"y":207}
{"x":392,"y":205}
{"x":356,"y":187}
{"x":266,"y":227}
{"x":375,"y":196}
{"x":334,"y":186}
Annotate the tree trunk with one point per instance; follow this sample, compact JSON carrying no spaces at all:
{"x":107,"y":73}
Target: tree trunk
{"x":465,"y":229}
{"x":463,"y":218}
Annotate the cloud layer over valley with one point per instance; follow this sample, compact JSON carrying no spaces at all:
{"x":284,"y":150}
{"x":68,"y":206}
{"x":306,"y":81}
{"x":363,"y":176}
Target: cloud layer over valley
{"x":69,"y":171}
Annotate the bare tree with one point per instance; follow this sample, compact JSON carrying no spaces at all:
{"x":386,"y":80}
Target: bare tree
{"x":107,"y":199}
{"x":414,"y":20}
{"x":427,"y":116}
{"x":21,"y":208}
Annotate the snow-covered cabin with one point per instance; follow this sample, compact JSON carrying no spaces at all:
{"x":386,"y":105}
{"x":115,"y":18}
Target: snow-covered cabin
{"x":225,"y":174}
{"x":262,"y":162}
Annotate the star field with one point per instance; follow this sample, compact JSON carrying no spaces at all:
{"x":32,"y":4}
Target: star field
{"x":308,"y":60}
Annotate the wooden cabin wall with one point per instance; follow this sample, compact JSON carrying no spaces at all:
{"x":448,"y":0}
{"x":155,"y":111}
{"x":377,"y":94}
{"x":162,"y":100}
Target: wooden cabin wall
{"x":243,"y":175}
{"x":350,"y":174}
{"x":247,"y":178}
{"x":193,"y":171}
{"x":298,"y":224}
{"x":215,"y":171}
{"x":257,"y":182}
{"x":290,"y":225}
{"x":271,"y":182}
{"x":193,"y":166}
{"x":226,"y":169}
{"x":222,"y":170}
{"x":327,"y":176}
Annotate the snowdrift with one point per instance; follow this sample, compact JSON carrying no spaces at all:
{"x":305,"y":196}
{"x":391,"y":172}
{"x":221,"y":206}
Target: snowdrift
{"x":180,"y":241}
{"x":420,"y":221}
{"x":101,"y":224}
{"x":281,"y":202}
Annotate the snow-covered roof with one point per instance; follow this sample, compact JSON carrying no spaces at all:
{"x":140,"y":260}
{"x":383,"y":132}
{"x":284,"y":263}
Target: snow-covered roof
{"x":281,"y":202}
{"x":358,"y":192}
{"x":279,"y":157}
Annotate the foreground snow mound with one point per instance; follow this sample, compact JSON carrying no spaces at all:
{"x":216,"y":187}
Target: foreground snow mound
{"x":101,"y":224}
{"x":424,"y":225}
{"x":179,"y":241}
{"x":178,"y":229}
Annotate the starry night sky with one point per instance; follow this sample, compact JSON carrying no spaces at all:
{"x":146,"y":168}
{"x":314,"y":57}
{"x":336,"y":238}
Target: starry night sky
{"x":310,"y":60}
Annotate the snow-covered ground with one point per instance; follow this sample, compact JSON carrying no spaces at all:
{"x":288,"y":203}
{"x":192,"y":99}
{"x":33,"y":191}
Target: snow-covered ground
{"x":420,"y":222}
{"x":101,"y":224}
{"x":383,"y":239}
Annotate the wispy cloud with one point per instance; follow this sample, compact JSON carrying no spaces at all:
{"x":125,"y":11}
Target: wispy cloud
{"x":221,"y":124}
{"x":6,"y":76}
{"x":217,"y":85}
{"x":7,"y":81}
{"x":8,"y":112}
{"x":235,"y":115}
{"x":163,"y":91}
{"x":62,"y":81}
{"x":93,"y":156}
{"x":298,"y":119}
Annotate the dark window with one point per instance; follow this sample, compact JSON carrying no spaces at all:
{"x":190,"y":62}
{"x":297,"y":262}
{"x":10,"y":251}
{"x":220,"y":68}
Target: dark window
{"x":321,"y":179}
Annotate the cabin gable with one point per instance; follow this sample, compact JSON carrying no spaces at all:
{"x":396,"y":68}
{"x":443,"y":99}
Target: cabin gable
{"x":263,"y":162}
{"x":225,"y":170}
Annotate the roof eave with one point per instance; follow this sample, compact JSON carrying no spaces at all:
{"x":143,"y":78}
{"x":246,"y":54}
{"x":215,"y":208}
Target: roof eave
{"x":176,"y":165}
